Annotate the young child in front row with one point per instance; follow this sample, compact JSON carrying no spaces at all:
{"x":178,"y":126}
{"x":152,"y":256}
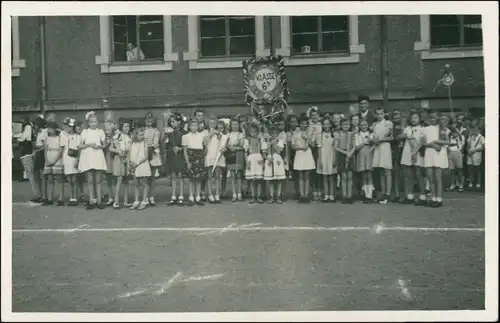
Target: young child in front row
{"x":110,"y":131}
{"x":120,"y":147}
{"x":364,"y":161}
{"x":382,"y":155}
{"x":53,"y":170}
{"x":152,"y":138}
{"x":138,"y":162}
{"x":455,"y":160}
{"x":253,"y":145}
{"x":70,"y":159}
{"x":175,"y":164}
{"x":327,"y":163}
{"x":235,"y":158}
{"x":475,"y":147}
{"x":293,"y":126}
{"x":215,"y":161}
{"x":274,"y":167}
{"x":194,"y":156}
{"x":345,"y":147}
{"x":304,"y":160}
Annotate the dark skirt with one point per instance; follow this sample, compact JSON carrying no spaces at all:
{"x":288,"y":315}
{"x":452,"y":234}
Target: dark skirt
{"x":342,"y":166}
{"x":25,"y":148}
{"x":235,"y":160}
{"x":39,"y":161}
{"x":198,"y":170}
{"x":175,"y":163}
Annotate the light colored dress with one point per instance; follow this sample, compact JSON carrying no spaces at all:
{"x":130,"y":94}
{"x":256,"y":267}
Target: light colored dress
{"x":303,"y":158}
{"x":122,"y":142}
{"x":413,"y":137}
{"x":326,"y":164}
{"x":214,"y":146}
{"x":434,"y":158}
{"x":255,"y":162}
{"x":275,"y":170}
{"x":364,"y":157}
{"x":473,"y":143}
{"x":53,"y":146}
{"x":152,"y":138}
{"x":70,"y":164}
{"x":139,"y":151}
{"x":90,"y":158}
{"x":382,"y":155}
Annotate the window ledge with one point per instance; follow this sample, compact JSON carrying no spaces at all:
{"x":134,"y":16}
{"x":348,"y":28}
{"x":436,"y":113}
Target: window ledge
{"x":319,"y":59}
{"x":196,"y":63}
{"x":427,"y":53}
{"x":16,"y":67}
{"x":142,"y":66}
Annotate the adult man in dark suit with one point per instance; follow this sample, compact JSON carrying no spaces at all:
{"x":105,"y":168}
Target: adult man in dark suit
{"x":364,"y":112}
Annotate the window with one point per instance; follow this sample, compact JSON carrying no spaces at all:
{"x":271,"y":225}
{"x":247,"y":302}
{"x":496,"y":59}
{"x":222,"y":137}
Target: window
{"x":17,"y":62}
{"x":319,"y":34}
{"x":138,"y":38}
{"x":456,"y":31}
{"x":227,"y":36}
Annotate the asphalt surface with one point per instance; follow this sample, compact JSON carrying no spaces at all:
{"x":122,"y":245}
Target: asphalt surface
{"x":240,"y":257}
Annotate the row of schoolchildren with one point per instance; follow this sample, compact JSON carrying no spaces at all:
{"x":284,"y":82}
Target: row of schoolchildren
{"x":312,"y":149}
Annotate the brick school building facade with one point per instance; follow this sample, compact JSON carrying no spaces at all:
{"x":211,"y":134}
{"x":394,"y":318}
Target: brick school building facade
{"x":133,"y":64}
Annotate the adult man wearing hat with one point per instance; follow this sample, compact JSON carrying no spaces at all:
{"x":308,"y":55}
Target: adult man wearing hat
{"x":364,"y":112}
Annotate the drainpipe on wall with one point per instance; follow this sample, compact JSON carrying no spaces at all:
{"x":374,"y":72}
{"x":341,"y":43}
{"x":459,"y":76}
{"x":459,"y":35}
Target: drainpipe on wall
{"x":384,"y":60}
{"x":43,"y":67}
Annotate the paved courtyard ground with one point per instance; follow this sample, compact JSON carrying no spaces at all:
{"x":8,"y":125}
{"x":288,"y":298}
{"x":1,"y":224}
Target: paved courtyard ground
{"x":240,"y":257}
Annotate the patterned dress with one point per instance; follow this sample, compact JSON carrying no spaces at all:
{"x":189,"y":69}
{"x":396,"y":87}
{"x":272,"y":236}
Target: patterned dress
{"x":196,"y":156}
{"x":255,"y":162}
{"x":235,"y":160}
{"x":364,"y":158}
{"x":275,"y":170}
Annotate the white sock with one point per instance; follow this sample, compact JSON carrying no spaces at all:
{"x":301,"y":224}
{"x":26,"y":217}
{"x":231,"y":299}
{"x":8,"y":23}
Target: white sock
{"x":434,"y":199}
{"x":439,"y":199}
{"x":427,"y":184}
{"x":369,"y":191}
{"x":422,"y":197}
{"x":411,"y":196}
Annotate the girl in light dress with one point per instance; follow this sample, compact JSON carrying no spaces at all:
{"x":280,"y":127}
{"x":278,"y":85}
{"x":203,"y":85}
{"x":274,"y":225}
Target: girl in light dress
{"x":253,"y":146}
{"x":215,"y":144}
{"x":364,"y":156}
{"x":326,"y":165}
{"x":110,"y":130}
{"x":292,"y":126}
{"x":53,"y":170}
{"x":92,"y":161}
{"x":304,"y":160}
{"x":152,"y":138}
{"x":120,"y":147}
{"x":80,"y":178}
{"x":194,"y":156}
{"x":175,"y":164}
{"x":274,"y":166}
{"x":139,"y":168}
{"x":412,"y":161}
{"x":382,"y":155}
{"x":436,"y":158}
{"x":475,"y":147}
{"x":345,"y":148}
{"x":71,"y":143}
{"x":235,"y":158}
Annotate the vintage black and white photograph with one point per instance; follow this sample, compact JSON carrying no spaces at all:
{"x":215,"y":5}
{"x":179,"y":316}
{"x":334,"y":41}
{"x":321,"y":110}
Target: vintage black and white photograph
{"x":228,"y":160}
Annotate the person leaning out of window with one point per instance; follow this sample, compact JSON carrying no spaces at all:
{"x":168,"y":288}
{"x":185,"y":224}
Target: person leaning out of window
{"x":134,"y":53}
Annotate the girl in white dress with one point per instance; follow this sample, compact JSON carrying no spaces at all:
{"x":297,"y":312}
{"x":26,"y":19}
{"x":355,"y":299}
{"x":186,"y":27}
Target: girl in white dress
{"x":216,"y":143}
{"x":139,"y":167}
{"x":71,"y":143}
{"x":382,"y":155}
{"x":120,"y":147}
{"x":253,"y":146}
{"x":152,"y":138}
{"x":326,"y":165}
{"x":412,"y":161}
{"x":53,"y":169}
{"x":475,"y":147}
{"x":436,"y":138}
{"x":364,"y":158}
{"x":274,"y":166}
{"x":304,"y":161}
{"x":92,"y":160}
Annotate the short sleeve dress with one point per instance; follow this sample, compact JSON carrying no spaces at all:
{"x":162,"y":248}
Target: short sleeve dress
{"x":53,"y":146}
{"x":90,"y":158}
{"x":70,"y":164}
{"x":326,"y":164}
{"x":275,"y":170}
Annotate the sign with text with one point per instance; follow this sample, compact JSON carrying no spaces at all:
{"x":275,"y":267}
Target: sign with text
{"x":265,"y":81}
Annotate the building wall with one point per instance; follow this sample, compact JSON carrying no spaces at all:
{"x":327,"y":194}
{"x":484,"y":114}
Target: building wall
{"x":76,"y":84}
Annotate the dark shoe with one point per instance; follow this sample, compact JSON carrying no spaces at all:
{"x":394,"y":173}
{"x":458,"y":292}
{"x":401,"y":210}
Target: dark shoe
{"x":343,"y":201}
{"x":101,"y":206}
{"x":260,"y":200}
{"x":172,"y":203}
{"x":73,"y":203}
{"x":180,"y":202}
{"x":270,"y":201}
{"x":407,"y":201}
{"x":367,"y":201}
{"x":152,"y":201}
{"x":252,"y":201}
{"x":435,"y":204}
{"x":189,"y":203}
{"x":60,"y":203}
{"x":279,"y":201}
{"x":394,"y":199}
{"x":37,"y":200}
{"x":47,"y":202}
{"x":90,"y":206}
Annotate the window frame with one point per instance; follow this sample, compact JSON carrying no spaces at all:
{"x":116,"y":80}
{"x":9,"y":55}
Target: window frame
{"x":428,"y":52}
{"x":349,"y":57}
{"x":320,"y":34}
{"x":227,"y":37}
{"x":108,"y":65}
{"x":461,"y":45}
{"x":17,"y":62}
{"x":192,"y":56}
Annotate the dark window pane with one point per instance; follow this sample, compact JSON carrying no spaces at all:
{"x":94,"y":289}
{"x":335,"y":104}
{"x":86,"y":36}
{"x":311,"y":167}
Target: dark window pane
{"x":120,"y":20}
{"x":241,"y":26}
{"x":152,"y":49}
{"x":334,"y":23}
{"x":212,"y":26}
{"x":304,"y":24}
{"x":151,"y":18}
{"x":132,"y":29}
{"x":333,"y":42}
{"x":212,"y":47}
{"x":120,"y":52}
{"x":151,"y":31}
{"x":444,"y":20}
{"x":445,"y":36}
{"x":472,"y":19}
{"x":300,"y":41}
{"x":473,"y":36}
{"x":119,"y":34}
{"x":242,"y":46}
